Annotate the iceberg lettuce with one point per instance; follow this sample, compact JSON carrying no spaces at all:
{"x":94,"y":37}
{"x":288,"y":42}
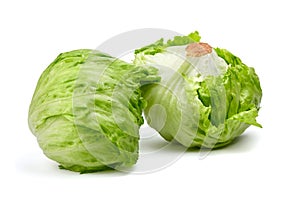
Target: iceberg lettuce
{"x":207,"y":96}
{"x":87,"y":109}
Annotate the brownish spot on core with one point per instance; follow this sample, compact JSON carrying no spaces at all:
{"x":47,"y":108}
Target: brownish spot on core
{"x":198,"y":49}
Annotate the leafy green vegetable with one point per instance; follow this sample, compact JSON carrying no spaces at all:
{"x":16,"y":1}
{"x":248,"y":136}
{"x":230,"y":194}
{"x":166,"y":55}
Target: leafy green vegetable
{"x":201,"y":101}
{"x":86,"y":110}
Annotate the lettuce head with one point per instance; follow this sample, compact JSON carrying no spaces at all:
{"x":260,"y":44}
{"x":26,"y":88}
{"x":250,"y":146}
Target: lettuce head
{"x":207,"y":96}
{"x":87,"y":109}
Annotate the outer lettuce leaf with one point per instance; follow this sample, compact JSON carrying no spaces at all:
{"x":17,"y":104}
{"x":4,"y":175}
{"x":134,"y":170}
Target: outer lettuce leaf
{"x":86,"y":110}
{"x":183,"y":40}
{"x":159,"y":46}
{"x":201,"y":112}
{"x":240,"y":89}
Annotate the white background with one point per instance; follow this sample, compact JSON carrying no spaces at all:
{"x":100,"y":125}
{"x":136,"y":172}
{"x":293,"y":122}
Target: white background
{"x":262,"y":164}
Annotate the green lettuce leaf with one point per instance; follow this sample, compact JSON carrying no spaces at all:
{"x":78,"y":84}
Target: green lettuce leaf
{"x":159,"y":46}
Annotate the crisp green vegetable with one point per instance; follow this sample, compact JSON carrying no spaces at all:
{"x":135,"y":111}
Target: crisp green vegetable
{"x":206,"y":98}
{"x":86,"y":110}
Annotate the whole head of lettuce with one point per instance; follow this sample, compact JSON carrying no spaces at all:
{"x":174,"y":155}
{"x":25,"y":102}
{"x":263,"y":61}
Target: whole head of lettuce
{"x":86,"y":110}
{"x":207,"y":96}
